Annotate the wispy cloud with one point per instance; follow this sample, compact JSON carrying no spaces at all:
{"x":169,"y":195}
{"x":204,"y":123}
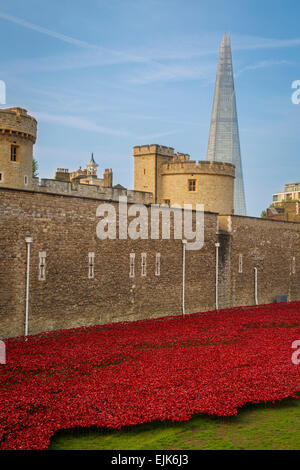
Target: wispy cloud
{"x":159,"y":62}
{"x":176,"y":72}
{"x":158,"y":135}
{"x":147,"y":117}
{"x":243,"y":43}
{"x":40,"y":29}
{"x":182,"y":49}
{"x":262,"y":65}
{"x":77,"y":122}
{"x":118,"y":55}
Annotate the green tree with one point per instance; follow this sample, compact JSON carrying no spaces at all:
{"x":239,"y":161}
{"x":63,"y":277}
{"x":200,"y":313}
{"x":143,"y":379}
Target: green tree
{"x":264,"y":214}
{"x":35,"y":168}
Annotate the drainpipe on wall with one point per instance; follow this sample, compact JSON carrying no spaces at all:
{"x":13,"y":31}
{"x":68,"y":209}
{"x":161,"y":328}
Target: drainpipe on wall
{"x":184,"y":242}
{"x":28,"y":241}
{"x":217,"y":245}
{"x":255,"y":284}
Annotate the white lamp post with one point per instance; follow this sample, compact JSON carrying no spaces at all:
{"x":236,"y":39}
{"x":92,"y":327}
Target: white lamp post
{"x":28,"y":241}
{"x":217,"y":245}
{"x":184,"y":242}
{"x":255,"y":286}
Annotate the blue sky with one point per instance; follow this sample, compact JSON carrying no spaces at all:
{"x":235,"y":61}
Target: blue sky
{"x":104,"y":75}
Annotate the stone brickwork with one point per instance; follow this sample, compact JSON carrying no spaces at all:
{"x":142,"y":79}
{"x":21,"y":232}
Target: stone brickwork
{"x":214,"y":185}
{"x":17,"y":129}
{"x":17,"y":120}
{"x":167,"y":175}
{"x":71,"y":188}
{"x":63,"y":228}
{"x":287,"y":210}
{"x":273,"y":248}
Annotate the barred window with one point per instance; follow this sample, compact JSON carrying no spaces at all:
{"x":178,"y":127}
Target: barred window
{"x":132,"y":265}
{"x":144,"y":264}
{"x":13,"y":153}
{"x":240,"y":263}
{"x":42,"y":265}
{"x":91,"y":270}
{"x":157,"y":264}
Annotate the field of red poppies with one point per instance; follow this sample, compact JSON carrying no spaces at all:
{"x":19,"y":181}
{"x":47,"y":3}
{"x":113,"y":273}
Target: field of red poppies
{"x":129,"y":373}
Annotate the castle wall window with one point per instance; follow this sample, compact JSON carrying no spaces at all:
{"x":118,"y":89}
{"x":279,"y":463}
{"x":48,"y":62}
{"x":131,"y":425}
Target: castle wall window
{"x":1,"y":177}
{"x":42,"y":266}
{"x":240,"y":263}
{"x":192,"y":185}
{"x":14,"y":150}
{"x":25,"y":180}
{"x":157,"y":264}
{"x":293,"y":265}
{"x":144,"y":264}
{"x":91,"y":270}
{"x":132,"y":265}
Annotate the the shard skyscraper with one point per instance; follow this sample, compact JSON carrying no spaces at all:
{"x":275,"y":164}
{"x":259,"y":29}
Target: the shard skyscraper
{"x":224,"y":141}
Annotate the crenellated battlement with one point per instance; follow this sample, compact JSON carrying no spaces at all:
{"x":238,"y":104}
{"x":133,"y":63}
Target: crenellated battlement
{"x":17,"y":136}
{"x":200,"y":167}
{"x":173,"y":178}
{"x":161,"y":150}
{"x":153,"y":149}
{"x":16,"y":121}
{"x":107,"y":193}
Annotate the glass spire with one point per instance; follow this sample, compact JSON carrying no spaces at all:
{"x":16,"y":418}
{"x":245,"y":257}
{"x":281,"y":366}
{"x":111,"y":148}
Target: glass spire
{"x":224,"y":141}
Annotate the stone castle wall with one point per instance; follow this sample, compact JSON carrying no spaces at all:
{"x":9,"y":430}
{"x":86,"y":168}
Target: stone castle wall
{"x":64,"y":228}
{"x":90,"y":191}
{"x":272,"y":247}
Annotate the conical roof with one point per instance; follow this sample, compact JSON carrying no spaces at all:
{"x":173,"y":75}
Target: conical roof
{"x":92,"y":162}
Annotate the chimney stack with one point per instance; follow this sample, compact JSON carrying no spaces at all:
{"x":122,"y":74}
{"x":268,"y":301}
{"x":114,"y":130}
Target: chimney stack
{"x":108,"y":178}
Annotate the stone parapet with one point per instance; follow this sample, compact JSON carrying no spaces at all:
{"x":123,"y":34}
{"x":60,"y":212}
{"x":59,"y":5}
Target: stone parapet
{"x":18,"y":121}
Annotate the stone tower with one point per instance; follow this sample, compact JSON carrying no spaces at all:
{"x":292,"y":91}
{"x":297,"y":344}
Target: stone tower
{"x":148,"y":162}
{"x":224,"y":142}
{"x":173,"y":178}
{"x":92,"y":166}
{"x":17,"y":137}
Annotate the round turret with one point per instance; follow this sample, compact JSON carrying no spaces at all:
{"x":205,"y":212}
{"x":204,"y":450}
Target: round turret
{"x":17,"y":137}
{"x":207,"y":183}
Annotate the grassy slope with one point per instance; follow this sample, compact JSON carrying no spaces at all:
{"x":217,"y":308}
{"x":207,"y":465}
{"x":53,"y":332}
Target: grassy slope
{"x":263,"y":427}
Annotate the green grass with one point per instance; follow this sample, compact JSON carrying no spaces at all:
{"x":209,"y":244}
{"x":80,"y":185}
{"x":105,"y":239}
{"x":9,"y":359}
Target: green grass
{"x":262,"y":427}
